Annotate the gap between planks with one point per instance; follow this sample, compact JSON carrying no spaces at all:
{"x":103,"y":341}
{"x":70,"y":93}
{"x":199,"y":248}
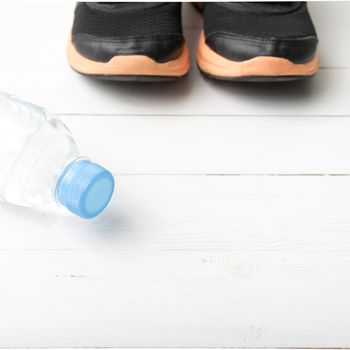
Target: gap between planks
{"x":117,"y":115}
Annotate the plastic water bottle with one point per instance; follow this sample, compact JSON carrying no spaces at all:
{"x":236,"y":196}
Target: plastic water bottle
{"x":40,"y":162}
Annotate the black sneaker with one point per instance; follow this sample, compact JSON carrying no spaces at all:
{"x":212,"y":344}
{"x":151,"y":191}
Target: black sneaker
{"x":129,"y":41}
{"x":257,"y":41}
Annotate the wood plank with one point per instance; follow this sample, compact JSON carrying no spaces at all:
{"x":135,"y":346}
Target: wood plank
{"x":63,"y":91}
{"x":91,"y":299}
{"x":215,"y":145}
{"x":332,"y":26}
{"x":196,"y":213}
{"x":327,"y":94}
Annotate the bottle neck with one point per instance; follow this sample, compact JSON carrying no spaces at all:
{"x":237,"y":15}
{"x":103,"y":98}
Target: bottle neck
{"x":84,"y":188}
{"x":68,"y":164}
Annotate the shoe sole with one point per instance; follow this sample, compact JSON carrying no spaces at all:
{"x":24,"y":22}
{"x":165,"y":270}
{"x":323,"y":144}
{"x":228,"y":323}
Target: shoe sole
{"x":130,"y":67}
{"x":257,"y":69}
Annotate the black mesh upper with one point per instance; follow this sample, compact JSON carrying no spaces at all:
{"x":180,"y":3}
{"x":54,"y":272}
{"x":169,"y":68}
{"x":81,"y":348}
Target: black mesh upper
{"x":127,"y":19}
{"x":258,"y":19}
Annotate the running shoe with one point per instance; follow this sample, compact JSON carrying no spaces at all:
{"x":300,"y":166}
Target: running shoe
{"x":257,"y":41}
{"x":139,"y":41}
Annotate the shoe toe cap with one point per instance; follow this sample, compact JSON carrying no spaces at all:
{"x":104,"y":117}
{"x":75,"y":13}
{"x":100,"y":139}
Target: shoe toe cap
{"x":159,"y":48}
{"x":241,"y":48}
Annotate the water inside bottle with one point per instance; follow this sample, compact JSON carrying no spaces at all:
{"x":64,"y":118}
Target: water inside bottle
{"x":34,"y":148}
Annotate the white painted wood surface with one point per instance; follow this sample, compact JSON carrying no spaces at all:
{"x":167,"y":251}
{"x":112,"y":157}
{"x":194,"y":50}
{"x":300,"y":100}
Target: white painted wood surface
{"x":216,"y":145}
{"x":184,"y":261}
{"x":230,"y":225}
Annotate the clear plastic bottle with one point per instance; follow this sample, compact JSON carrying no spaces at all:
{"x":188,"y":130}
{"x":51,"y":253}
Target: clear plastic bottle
{"x":40,"y":162}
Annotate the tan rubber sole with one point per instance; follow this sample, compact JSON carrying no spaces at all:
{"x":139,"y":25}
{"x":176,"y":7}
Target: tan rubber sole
{"x":263,"y":66}
{"x":132,"y":65}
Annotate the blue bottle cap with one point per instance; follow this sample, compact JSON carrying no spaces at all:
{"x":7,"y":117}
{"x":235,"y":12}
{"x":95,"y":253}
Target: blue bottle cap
{"x":85,"y":188}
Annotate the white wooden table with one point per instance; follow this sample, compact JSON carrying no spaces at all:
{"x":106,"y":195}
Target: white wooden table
{"x":231,"y":221}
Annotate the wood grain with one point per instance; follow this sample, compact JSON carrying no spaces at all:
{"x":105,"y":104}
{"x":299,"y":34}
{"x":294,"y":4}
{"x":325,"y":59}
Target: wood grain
{"x":216,"y":145}
{"x":183,"y":261}
{"x":230,"y":224}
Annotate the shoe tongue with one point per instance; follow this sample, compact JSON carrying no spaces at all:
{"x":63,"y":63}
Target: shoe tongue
{"x":122,"y":5}
{"x":271,"y":7}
